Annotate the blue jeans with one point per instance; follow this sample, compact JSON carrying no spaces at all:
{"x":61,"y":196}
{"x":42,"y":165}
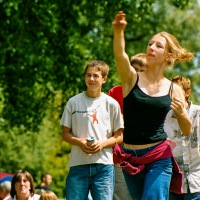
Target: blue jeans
{"x":153,"y":182}
{"x":97,"y":178}
{"x":185,"y":196}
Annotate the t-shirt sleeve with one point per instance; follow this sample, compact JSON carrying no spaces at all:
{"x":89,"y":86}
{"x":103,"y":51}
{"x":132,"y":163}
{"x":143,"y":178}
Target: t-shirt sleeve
{"x":66,"y":119}
{"x":118,"y":122}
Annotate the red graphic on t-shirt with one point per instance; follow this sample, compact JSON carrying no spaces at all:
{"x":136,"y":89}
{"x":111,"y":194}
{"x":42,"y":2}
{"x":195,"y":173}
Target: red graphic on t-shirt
{"x":94,"y":116}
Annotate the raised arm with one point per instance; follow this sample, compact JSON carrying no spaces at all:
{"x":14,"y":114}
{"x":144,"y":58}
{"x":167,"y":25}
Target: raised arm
{"x":126,"y":72}
{"x":178,"y":107}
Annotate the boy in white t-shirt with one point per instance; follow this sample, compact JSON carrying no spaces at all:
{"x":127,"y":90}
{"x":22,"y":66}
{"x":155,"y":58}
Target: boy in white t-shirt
{"x":92,"y":114}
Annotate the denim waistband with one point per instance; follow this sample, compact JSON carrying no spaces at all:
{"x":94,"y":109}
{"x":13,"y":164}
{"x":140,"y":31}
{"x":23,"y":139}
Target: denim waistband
{"x":139,"y":152}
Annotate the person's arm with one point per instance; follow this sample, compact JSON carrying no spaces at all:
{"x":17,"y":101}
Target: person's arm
{"x":126,"y":72}
{"x":178,"y":107}
{"x":96,"y":146}
{"x":116,"y":138}
{"x":69,"y":138}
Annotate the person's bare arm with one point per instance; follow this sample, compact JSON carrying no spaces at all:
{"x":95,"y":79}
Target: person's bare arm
{"x":127,"y":73}
{"x":110,"y":142}
{"x":116,"y":138}
{"x":69,"y":138}
{"x":96,"y":146}
{"x":178,"y":107}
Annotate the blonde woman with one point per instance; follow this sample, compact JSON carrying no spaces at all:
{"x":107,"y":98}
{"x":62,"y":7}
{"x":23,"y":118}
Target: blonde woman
{"x":147,"y":100}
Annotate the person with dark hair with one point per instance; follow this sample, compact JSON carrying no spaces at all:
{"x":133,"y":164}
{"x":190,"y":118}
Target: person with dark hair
{"x":92,"y":124}
{"x":46,"y":180}
{"x":22,"y":186}
{"x":186,"y":148}
{"x":146,"y":156}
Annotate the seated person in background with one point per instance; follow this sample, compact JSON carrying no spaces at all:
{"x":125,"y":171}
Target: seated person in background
{"x":22,"y":187}
{"x":46,"y":180}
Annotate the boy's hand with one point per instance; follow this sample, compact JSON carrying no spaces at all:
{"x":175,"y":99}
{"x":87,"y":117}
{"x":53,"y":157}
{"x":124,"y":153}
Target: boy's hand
{"x":95,"y":147}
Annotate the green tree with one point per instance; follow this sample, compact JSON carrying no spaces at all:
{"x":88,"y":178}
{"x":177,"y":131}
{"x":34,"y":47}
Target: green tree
{"x":46,"y":44}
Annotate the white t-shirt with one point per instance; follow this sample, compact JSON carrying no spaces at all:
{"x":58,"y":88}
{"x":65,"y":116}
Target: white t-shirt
{"x":98,"y":117}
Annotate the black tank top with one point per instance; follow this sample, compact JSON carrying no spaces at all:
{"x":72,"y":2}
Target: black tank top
{"x":144,"y":116}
